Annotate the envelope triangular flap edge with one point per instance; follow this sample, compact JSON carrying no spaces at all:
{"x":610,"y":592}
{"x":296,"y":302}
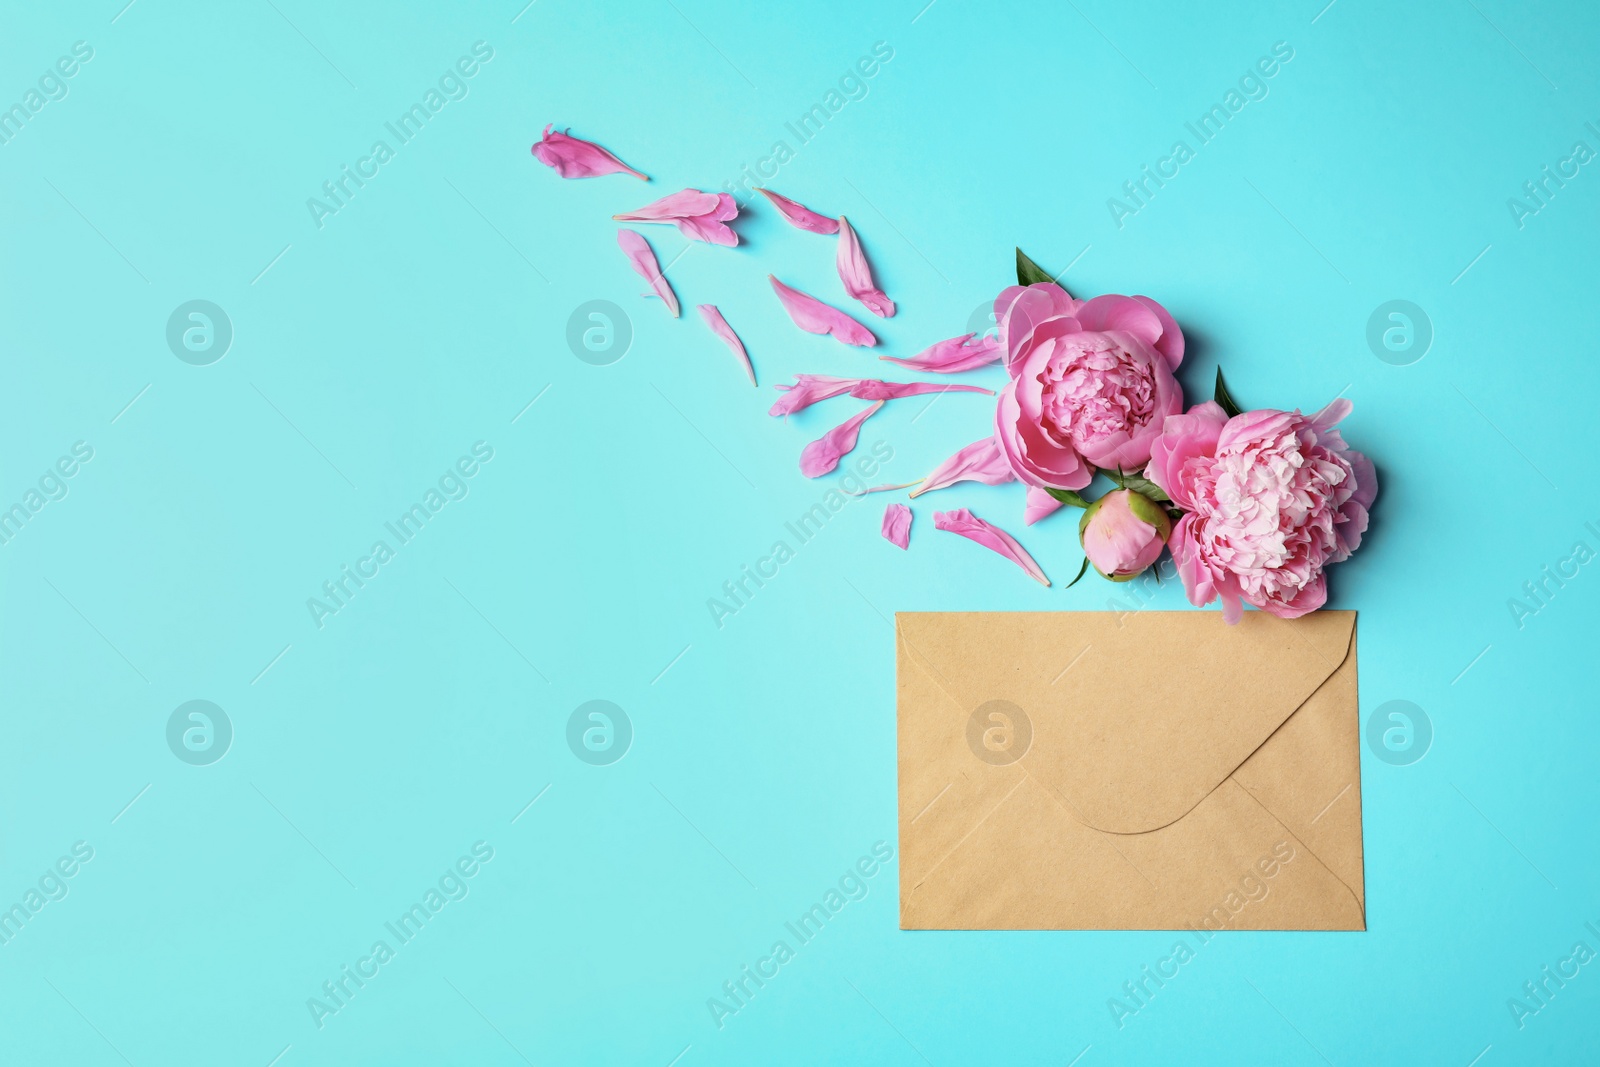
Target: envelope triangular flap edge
{"x":1164,"y":706}
{"x":1153,"y":710}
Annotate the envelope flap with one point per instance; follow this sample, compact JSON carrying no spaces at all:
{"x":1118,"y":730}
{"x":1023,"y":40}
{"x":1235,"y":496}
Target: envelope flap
{"x":1133,"y":717}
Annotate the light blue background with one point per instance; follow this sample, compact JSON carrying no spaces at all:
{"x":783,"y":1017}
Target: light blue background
{"x":426,"y":315}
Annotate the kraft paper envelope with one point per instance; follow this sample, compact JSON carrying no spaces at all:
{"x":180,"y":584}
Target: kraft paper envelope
{"x":1129,"y":771}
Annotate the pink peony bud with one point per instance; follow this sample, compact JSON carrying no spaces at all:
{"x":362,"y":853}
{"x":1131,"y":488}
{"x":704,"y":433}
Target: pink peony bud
{"x":1123,"y":532}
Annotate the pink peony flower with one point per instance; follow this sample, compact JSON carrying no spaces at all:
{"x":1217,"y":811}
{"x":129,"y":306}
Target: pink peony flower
{"x":1091,"y":382}
{"x":1273,"y":497}
{"x":1123,"y":533}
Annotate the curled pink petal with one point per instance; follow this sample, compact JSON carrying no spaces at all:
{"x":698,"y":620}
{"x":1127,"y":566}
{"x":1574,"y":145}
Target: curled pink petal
{"x":897,"y":524}
{"x":963,"y":522}
{"x":701,"y":216}
{"x":1329,"y":417}
{"x":813,"y":316}
{"x":645,"y":265}
{"x":1198,"y":583}
{"x":1040,"y":504}
{"x":1055,"y":465}
{"x":720,"y":327}
{"x":981,"y":461}
{"x":1123,"y":313}
{"x":881,"y":489}
{"x":1171,"y":343}
{"x":875,"y":389}
{"x":1232,"y":608}
{"x":800,"y":216}
{"x":1023,"y":311}
{"x":808,"y":389}
{"x":953,"y":356}
{"x":1189,"y":436}
{"x":1366,"y":479}
{"x":857,"y":275}
{"x":676,"y":205}
{"x":823,"y":454}
{"x":573,"y":157}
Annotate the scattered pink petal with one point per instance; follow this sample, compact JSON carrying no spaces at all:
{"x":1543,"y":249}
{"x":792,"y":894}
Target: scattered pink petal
{"x":897,"y":524}
{"x":823,"y":454}
{"x":813,"y":316}
{"x":981,"y":461}
{"x":857,"y":275}
{"x":963,"y":522}
{"x":876,"y":389}
{"x":645,"y":265}
{"x":881,"y":489}
{"x":701,"y":216}
{"x":800,"y":216}
{"x":954,"y":355}
{"x":573,"y":157}
{"x":811,"y":388}
{"x":1040,"y":504}
{"x":807,"y":390}
{"x":720,"y":327}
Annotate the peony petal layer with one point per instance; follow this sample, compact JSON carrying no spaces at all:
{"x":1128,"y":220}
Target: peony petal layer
{"x":897,"y":524}
{"x":813,"y":316}
{"x":573,"y":157}
{"x":857,"y":275}
{"x":823,"y":454}
{"x":700,"y":216}
{"x":981,"y":461}
{"x":644,"y":264}
{"x":800,"y":216}
{"x":720,"y":327}
{"x":963,"y":522}
{"x":808,"y":389}
{"x":953,"y":355}
{"x":1040,"y":503}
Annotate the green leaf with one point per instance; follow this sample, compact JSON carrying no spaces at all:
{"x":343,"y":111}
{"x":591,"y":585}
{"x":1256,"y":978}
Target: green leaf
{"x":1139,"y":484}
{"x":1224,"y":398}
{"x":1029,"y":272}
{"x":1067,"y":496}
{"x":1081,"y":572}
